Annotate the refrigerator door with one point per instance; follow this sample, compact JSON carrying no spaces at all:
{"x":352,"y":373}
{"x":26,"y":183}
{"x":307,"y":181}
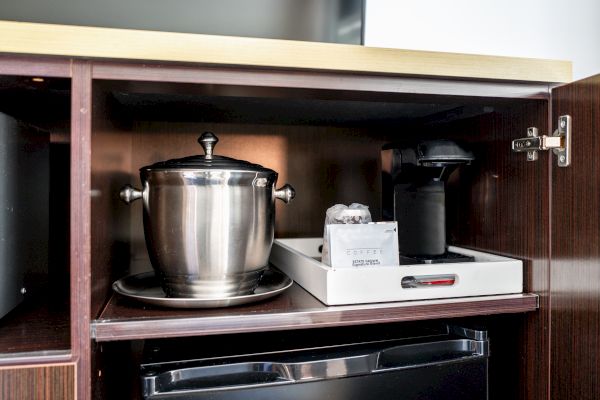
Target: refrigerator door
{"x":454,"y":368}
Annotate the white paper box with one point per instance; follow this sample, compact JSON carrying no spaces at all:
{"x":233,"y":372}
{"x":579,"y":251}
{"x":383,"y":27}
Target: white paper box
{"x":488,"y":275}
{"x":362,"y":245}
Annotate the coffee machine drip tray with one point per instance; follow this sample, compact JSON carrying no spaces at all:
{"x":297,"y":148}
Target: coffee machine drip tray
{"x":447,"y":257}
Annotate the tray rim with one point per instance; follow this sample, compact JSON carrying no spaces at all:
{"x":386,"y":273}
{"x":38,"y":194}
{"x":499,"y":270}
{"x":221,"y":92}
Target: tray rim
{"x":355,"y":285}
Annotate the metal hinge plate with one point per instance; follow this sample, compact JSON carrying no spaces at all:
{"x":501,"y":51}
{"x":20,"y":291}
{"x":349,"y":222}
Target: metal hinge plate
{"x":559,"y":142}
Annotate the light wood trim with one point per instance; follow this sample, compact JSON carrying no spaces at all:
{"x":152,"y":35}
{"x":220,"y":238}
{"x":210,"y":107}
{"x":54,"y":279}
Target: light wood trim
{"x":79,"y":41}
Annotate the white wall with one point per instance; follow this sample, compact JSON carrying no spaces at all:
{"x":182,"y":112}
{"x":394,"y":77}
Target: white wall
{"x":555,"y":29}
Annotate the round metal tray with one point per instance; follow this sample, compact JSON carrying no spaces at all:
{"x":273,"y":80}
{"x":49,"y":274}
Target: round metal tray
{"x":146,"y":288}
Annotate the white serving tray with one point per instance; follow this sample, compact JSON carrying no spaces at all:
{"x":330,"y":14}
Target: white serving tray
{"x":488,"y":275}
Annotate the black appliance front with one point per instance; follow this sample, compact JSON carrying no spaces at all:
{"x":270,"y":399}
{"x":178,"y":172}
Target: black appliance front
{"x":449,"y":365}
{"x":413,"y":194}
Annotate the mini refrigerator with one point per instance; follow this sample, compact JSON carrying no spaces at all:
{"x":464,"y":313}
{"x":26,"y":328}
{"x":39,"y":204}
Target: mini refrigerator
{"x":451,"y":364}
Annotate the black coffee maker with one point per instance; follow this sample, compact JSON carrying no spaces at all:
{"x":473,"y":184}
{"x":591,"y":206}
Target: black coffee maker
{"x":413,"y":193}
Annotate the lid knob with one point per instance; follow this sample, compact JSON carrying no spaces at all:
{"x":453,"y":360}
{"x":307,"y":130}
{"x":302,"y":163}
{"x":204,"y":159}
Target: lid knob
{"x":208,"y":141}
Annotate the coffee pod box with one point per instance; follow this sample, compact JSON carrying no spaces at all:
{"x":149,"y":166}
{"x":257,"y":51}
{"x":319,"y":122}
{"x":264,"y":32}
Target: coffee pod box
{"x":362,"y":245}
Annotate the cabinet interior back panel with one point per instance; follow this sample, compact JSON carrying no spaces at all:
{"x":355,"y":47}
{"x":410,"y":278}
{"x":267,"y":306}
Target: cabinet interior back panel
{"x":111,"y":165}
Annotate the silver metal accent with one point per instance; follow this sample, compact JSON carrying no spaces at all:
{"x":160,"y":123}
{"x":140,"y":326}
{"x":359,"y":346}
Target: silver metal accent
{"x":286,"y":193}
{"x":533,"y":154}
{"x":130,"y":194}
{"x":428,"y":281}
{"x":208,"y":141}
{"x":468,"y":333}
{"x":559,"y":142}
{"x":536,"y":143}
{"x":23,"y":291}
{"x":146,"y":288}
{"x":564,"y":131}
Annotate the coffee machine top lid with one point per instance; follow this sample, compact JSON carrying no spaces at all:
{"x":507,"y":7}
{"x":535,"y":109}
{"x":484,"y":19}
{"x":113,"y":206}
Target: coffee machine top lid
{"x":426,"y":159}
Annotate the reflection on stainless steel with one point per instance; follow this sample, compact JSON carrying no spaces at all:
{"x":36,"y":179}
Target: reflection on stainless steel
{"x":285,"y":193}
{"x":209,"y":222}
{"x":147,"y":289}
{"x":468,"y":332}
{"x":128,"y":194}
{"x":208,"y":229}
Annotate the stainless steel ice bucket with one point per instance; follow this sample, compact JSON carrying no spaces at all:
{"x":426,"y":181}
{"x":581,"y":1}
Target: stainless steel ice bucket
{"x":208,"y":222}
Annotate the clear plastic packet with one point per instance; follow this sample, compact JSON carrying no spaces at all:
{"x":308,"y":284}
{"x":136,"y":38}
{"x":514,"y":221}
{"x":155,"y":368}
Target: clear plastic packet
{"x":356,"y":213}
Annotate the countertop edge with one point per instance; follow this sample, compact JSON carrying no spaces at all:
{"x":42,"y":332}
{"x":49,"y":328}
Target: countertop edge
{"x":111,"y":43}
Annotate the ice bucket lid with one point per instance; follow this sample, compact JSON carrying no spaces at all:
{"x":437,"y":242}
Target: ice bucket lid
{"x":208,"y":140}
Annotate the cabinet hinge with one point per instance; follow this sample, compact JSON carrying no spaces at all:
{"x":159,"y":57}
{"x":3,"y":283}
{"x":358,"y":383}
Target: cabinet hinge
{"x":559,"y":142}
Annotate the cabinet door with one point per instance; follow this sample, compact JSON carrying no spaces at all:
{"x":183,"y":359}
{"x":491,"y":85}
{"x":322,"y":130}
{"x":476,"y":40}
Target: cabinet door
{"x":506,"y":211}
{"x":575,"y":252}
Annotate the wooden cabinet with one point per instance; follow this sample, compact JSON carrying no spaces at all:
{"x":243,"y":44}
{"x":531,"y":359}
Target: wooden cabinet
{"x":52,"y":382}
{"x":322,"y":130}
{"x":575,"y":249}
{"x":37,"y":96}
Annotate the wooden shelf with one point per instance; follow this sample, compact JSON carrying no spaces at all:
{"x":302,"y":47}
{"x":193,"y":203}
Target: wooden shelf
{"x":295,"y":309}
{"x":35,"y":331}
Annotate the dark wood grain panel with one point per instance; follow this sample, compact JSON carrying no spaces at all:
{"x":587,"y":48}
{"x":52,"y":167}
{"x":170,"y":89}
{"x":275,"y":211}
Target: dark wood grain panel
{"x":53,"y":382}
{"x":575,"y":280}
{"x":501,"y":204}
{"x":110,"y":231}
{"x":280,"y":78}
{"x":80,"y":222}
{"x":34,"y":66}
{"x":295,"y":309}
{"x":110,"y":165}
